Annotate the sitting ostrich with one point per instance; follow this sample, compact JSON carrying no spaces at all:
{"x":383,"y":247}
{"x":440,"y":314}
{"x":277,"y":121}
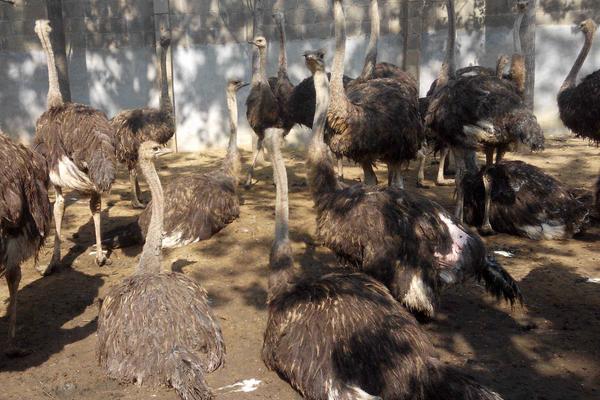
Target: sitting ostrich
{"x":406,"y":241}
{"x":132,"y":127}
{"x":77,"y":142}
{"x":197,"y":205}
{"x":24,"y":218}
{"x":478,"y":112}
{"x":341,"y":335}
{"x":156,"y":327}
{"x":373,"y":120}
{"x":527,"y":202}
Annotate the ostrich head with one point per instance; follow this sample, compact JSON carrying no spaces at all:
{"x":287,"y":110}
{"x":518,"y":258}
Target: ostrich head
{"x":501,"y":64}
{"x":151,"y":150}
{"x":260,"y":42}
{"x":315,"y":60}
{"x":588,"y":27}
{"x":278,"y":16}
{"x":526,"y":127}
{"x":42,"y":26}
{"x":233,"y":85}
{"x":521,"y":6}
{"x":165,"y":41}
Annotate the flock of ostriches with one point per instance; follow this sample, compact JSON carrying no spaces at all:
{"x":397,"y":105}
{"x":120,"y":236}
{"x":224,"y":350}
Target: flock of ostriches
{"x":327,"y":334}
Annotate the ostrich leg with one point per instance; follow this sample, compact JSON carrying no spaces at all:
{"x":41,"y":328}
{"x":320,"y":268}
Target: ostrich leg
{"x":340,"y":169}
{"x":13,"y":277}
{"x":395,"y":177}
{"x":489,"y":156}
{"x":259,"y":149}
{"x":96,"y":208}
{"x":459,"y":157}
{"x":440,"y":179}
{"x":422,"y":158}
{"x":369,"y":174}
{"x":486,"y":226}
{"x":59,"y":212}
{"x":135,"y":190}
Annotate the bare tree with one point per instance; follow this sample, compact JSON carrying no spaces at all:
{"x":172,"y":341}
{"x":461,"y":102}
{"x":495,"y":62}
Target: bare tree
{"x":529,"y":50}
{"x":55,"y":15}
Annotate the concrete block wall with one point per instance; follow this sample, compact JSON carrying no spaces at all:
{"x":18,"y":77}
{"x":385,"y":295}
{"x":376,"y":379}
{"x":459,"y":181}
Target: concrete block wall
{"x":112,"y":59}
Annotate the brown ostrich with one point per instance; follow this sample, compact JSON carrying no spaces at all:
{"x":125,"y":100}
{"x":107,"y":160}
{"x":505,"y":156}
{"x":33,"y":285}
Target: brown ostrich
{"x":406,"y":241}
{"x":341,"y":335}
{"x":132,"y":127}
{"x":478,"y":112}
{"x":197,"y":205}
{"x":373,"y":120}
{"x":24,"y":219}
{"x":78,"y":144}
{"x":155,"y":327}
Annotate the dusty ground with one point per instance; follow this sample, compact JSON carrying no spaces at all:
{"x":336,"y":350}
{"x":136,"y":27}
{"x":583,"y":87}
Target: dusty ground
{"x":549,"y":350}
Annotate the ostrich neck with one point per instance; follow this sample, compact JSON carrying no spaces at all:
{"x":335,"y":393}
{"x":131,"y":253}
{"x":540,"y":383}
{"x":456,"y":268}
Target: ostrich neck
{"x":283,"y":65}
{"x":571,"y":79}
{"x":517,"y":34}
{"x":449,"y":66}
{"x":232,"y":159}
{"x":371,"y":54}
{"x":54,"y":95}
{"x":165,"y":98}
{"x":151,"y":258}
{"x":338,"y":94}
{"x":259,"y":67}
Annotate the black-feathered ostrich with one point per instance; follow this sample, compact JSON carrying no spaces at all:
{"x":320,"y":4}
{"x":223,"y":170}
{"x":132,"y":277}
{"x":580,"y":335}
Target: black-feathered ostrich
{"x":156,"y":327}
{"x":197,"y":205}
{"x":478,"y":112}
{"x":78,"y":144}
{"x":406,"y":241}
{"x":24,"y":218}
{"x":132,"y":127}
{"x":373,"y":120}
{"x":342,"y":335}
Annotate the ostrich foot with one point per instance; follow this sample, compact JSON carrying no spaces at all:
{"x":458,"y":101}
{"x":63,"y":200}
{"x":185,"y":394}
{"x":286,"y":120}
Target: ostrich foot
{"x":486,"y":230}
{"x":422,"y":185}
{"x":136,"y":204}
{"x":444,"y":182}
{"x":249,"y":183}
{"x":101,"y":258}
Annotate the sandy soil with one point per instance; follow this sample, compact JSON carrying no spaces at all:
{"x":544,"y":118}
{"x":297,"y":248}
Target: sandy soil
{"x":548,"y":350}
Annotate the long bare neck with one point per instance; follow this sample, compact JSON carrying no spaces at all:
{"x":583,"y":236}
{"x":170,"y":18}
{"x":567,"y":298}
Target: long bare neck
{"x":571,"y":79}
{"x":517,"y":33}
{"x":151,"y":258}
{"x":257,"y":30}
{"x":281,"y":261}
{"x":371,"y":54}
{"x":449,"y":65}
{"x":232,"y":163}
{"x":54,"y":95}
{"x":321,"y":175}
{"x":338,"y":94}
{"x":165,"y":98}
{"x":283,"y":64}
{"x":259,"y":67}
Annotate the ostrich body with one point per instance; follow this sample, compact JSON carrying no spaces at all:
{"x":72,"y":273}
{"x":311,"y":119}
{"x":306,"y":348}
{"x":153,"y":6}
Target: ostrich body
{"x":373,"y":120}
{"x":478,"y":112}
{"x":132,"y":127}
{"x":78,"y":144}
{"x":197,"y":206}
{"x":407,"y":242}
{"x":156,"y":328}
{"x":24,"y":217}
{"x":578,"y":102}
{"x":527,"y":202}
{"x":329,"y":335}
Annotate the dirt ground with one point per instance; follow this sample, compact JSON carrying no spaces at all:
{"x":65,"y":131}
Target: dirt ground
{"x":548,"y":350}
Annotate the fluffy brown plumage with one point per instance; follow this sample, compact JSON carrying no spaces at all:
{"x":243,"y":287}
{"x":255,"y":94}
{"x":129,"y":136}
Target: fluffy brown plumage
{"x":156,"y":328}
{"x":24,"y":216}
{"x":342,"y":335}
{"x":527,"y":202}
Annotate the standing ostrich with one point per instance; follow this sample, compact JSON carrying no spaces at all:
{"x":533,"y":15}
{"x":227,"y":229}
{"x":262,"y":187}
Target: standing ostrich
{"x":342,"y":335}
{"x":77,"y":142}
{"x":404,"y":240}
{"x":478,"y":112}
{"x":132,"y":127}
{"x":373,"y":120}
{"x":24,"y":218}
{"x":527,"y":202}
{"x":578,"y":103}
{"x":197,"y":205}
{"x":156,"y":327}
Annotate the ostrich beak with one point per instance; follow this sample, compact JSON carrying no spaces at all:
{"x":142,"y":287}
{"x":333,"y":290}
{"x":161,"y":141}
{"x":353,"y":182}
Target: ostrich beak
{"x":244,"y":84}
{"x":165,"y":151}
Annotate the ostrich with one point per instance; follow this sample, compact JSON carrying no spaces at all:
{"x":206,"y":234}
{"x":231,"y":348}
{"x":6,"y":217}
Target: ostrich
{"x":78,"y":144}
{"x":478,"y":112}
{"x":133,"y":127}
{"x":373,"y":120}
{"x":406,"y":241}
{"x":578,"y":103}
{"x":527,"y":202}
{"x":24,"y":218}
{"x":197,"y":205}
{"x":156,"y":327}
{"x":328,"y":335}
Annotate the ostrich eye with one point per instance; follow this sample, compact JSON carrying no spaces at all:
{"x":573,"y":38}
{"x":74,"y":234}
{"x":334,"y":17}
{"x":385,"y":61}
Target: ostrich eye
{"x":155,"y":148}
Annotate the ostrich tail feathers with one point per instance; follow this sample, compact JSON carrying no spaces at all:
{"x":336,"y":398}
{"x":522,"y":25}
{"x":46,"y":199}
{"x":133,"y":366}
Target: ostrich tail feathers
{"x":102,"y":168}
{"x":499,"y":283}
{"x":124,"y":236}
{"x":454,"y":384}
{"x":187,"y":376}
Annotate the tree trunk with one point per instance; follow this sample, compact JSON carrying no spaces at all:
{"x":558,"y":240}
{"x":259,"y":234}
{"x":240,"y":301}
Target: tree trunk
{"x":529,"y":50}
{"x":57,"y":36}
